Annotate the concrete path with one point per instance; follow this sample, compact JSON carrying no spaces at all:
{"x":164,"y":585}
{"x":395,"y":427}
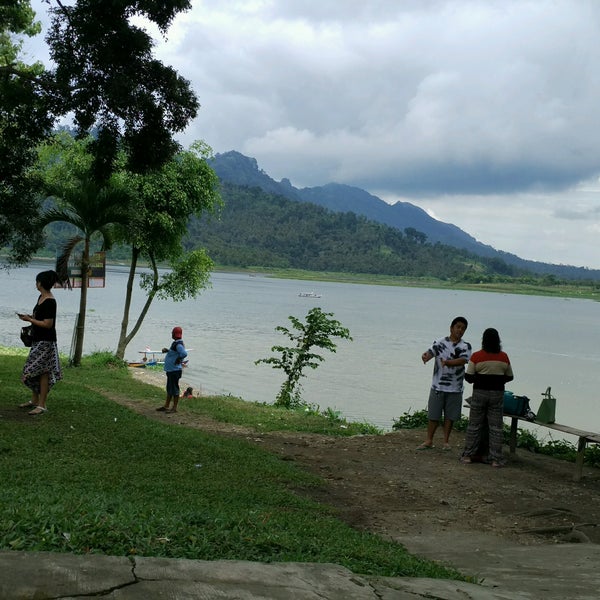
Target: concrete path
{"x":542,"y":572}
{"x":509,"y":573}
{"x":45,"y":576}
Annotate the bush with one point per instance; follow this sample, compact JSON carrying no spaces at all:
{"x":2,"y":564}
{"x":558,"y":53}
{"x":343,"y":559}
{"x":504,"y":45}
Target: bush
{"x":419,"y":420}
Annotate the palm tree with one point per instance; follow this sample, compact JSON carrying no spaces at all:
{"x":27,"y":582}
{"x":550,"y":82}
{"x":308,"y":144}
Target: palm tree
{"x":94,"y":208}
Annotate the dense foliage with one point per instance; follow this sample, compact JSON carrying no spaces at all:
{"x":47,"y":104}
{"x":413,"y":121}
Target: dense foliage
{"x":92,"y":207}
{"x":233,"y":167}
{"x":260,"y":229}
{"x":24,"y":121}
{"x":105,"y":78}
{"x":257,"y":229}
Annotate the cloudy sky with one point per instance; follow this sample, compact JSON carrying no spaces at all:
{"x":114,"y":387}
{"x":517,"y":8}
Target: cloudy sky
{"x":485,"y":113}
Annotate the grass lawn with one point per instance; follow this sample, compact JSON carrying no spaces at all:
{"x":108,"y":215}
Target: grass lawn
{"x":91,"y":476}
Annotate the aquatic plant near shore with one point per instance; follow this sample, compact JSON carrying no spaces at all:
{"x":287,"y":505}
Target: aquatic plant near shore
{"x":318,"y":330}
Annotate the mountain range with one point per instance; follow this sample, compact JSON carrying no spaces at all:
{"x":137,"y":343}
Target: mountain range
{"x":235,"y":168}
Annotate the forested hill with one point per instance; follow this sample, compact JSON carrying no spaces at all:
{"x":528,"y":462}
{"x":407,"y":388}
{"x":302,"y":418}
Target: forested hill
{"x":233,"y":167}
{"x":261,"y":229}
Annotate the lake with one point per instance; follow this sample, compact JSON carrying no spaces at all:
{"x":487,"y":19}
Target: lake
{"x":376,"y":377}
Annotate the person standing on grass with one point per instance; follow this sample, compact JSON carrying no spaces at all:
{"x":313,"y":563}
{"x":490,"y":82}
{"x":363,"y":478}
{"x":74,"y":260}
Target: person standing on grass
{"x":488,"y":370}
{"x":173,"y":368}
{"x":42,"y":367}
{"x":451,"y":354}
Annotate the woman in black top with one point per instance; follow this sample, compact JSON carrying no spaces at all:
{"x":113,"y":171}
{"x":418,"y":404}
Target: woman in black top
{"x":42,"y":368}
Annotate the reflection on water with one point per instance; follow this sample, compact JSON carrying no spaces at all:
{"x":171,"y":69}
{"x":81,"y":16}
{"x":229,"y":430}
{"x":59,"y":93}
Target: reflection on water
{"x":376,"y":377}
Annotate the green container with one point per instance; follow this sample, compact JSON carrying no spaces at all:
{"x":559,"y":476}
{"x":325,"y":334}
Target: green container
{"x":547,"y":410}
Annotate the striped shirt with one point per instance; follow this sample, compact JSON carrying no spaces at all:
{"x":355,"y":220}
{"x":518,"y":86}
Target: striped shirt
{"x":489,"y":370}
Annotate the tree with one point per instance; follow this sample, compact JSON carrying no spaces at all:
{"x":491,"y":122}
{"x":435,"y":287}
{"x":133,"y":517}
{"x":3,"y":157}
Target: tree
{"x":25,"y":119}
{"x":318,"y":330}
{"x":149,"y":212}
{"x":163,"y":202}
{"x":107,"y":78}
{"x":415,"y":235}
{"x":93,"y":208}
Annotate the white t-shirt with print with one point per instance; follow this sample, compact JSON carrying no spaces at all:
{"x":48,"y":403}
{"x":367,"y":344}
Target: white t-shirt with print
{"x":449,"y":379}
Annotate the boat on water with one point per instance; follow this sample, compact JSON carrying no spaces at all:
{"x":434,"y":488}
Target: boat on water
{"x":309,"y":295}
{"x":152,"y":358}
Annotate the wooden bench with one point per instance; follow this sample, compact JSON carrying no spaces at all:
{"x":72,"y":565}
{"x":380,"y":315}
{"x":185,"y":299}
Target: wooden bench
{"x":585,"y":437}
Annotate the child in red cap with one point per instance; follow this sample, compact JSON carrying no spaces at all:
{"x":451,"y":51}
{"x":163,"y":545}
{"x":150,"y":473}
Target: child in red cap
{"x":173,"y":368}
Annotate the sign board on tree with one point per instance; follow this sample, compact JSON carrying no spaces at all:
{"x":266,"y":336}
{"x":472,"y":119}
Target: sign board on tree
{"x":96,"y":270}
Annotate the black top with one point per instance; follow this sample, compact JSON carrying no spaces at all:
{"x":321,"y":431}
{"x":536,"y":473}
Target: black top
{"x":41,"y":312}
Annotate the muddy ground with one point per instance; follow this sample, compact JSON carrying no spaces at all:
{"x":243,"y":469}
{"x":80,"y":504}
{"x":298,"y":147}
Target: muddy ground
{"x":384,"y":485}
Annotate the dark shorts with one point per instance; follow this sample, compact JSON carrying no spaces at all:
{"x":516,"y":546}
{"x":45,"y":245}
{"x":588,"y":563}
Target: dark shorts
{"x":173,"y":378}
{"x":448,"y":403}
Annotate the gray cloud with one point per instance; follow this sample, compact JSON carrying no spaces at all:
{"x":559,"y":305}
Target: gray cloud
{"x":417,"y":98}
{"x":438,"y":97}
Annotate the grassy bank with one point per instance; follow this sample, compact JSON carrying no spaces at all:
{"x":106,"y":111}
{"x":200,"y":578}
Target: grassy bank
{"x":588,"y":291}
{"x":91,"y":476}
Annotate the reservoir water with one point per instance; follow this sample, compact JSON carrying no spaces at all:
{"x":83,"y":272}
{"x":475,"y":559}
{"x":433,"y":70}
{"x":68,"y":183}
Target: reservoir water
{"x":376,"y":377}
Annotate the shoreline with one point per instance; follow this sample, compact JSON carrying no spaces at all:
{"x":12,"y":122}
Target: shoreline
{"x":569,"y":288}
{"x":157,"y":379}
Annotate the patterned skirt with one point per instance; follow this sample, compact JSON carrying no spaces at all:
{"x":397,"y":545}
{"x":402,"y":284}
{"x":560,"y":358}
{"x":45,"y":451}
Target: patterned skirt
{"x":485,"y":425}
{"x":43,"y":358}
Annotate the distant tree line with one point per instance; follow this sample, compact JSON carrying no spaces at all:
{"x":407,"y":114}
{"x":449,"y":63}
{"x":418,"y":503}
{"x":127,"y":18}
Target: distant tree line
{"x":254,"y":228}
{"x":260,"y":229}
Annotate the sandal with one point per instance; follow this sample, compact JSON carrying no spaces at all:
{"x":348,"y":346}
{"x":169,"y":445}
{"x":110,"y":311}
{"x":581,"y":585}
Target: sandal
{"x":28,"y":404}
{"x":38,"y":410}
{"x":424,"y":447}
{"x":161,"y":409}
{"x":465,"y":460}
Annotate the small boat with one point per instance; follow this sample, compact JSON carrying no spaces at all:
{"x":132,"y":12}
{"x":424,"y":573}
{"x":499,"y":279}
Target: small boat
{"x":309,"y":295}
{"x":152,"y":358}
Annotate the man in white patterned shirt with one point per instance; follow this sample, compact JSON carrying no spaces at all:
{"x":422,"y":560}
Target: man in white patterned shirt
{"x":451,"y":354}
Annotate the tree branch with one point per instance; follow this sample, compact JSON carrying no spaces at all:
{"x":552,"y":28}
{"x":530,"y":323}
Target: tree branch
{"x":12,"y":69}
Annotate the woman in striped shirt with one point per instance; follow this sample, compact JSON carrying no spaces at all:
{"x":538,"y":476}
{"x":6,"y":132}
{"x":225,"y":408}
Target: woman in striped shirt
{"x":488,"y":370}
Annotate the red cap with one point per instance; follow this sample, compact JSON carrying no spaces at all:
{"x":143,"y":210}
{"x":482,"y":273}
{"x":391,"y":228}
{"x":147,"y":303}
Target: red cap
{"x":177,"y":333}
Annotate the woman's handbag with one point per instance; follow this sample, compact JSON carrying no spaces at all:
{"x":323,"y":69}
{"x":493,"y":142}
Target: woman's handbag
{"x":27,"y":335}
{"x":517,"y":406}
{"x":547,"y":409}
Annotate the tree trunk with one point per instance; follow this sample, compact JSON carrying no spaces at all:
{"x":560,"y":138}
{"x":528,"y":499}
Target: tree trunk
{"x":80,"y":329}
{"x":122,"y":344}
{"x":125,"y":338}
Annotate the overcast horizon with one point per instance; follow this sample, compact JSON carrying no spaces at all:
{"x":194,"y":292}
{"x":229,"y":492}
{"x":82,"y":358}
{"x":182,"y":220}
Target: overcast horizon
{"x":484,"y":114}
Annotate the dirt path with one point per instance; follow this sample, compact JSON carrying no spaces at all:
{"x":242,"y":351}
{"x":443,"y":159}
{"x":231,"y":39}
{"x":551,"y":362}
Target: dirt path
{"x":384,"y":485}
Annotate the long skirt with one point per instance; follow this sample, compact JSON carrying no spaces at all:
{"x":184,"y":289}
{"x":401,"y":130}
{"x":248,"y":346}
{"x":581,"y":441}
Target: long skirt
{"x":43,"y":358}
{"x":485,"y":416}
